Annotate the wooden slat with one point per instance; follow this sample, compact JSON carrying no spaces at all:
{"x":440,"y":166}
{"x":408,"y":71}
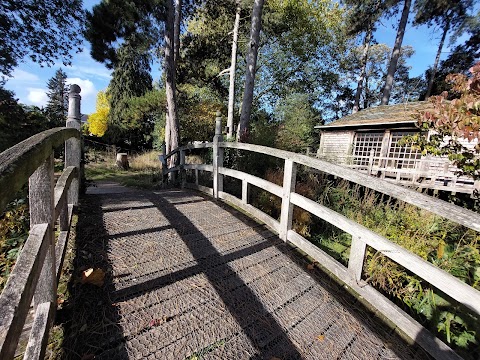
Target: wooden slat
{"x":37,"y":342}
{"x":289,"y":181}
{"x":439,"y":278}
{"x":61,"y":188}
{"x":204,"y":189}
{"x":203,"y":167}
{"x":20,"y":161}
{"x":61,"y":245}
{"x":403,"y":321}
{"x":357,"y":257}
{"x":197,"y":146}
{"x":462,"y":216}
{"x":260,"y":215}
{"x":17,"y":295}
{"x":254,"y":180}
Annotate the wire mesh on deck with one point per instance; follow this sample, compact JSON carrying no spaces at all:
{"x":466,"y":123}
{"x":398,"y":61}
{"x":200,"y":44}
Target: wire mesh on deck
{"x":191,"y":278}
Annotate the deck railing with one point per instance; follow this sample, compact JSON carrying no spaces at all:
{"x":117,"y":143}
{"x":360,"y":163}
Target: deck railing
{"x":38,"y":266}
{"x":426,"y":172}
{"x":361,"y":236}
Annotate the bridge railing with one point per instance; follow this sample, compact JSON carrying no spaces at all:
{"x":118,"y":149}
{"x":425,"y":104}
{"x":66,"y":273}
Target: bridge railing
{"x":38,"y":266}
{"x":361,"y":236}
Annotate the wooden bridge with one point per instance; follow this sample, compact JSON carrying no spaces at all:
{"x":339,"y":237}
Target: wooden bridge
{"x":188,"y":276}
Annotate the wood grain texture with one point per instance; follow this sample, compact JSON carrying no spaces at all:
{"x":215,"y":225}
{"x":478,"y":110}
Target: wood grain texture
{"x":61,"y":188}
{"x":254,"y":180}
{"x":41,"y":201}
{"x":462,"y":216}
{"x":273,"y":224}
{"x":17,"y":295}
{"x":37,"y":341}
{"x":439,"y":278}
{"x":289,"y":180}
{"x":20,"y":161}
{"x":405,"y":323}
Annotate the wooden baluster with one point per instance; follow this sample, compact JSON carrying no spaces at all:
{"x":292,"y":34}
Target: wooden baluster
{"x":73,"y":148}
{"x":217,"y":157}
{"x":41,"y":198}
{"x":370,"y":162}
{"x":245,"y":191}
{"x":357,"y":256}
{"x":289,"y":180}
{"x":183,"y":175}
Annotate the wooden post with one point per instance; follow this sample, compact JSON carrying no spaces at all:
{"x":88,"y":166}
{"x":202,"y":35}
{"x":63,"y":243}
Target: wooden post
{"x":73,"y":149}
{"x":217,"y":156}
{"x":183,"y":175}
{"x":41,"y":198}
{"x":356,"y":258}
{"x":196,"y":177}
{"x":370,"y":162}
{"x":289,"y":180}
{"x":245,"y":191}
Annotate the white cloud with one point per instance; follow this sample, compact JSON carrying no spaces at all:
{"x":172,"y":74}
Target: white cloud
{"x":88,"y":88}
{"x":24,"y":76}
{"x":95,"y":70}
{"x":37,"y":96}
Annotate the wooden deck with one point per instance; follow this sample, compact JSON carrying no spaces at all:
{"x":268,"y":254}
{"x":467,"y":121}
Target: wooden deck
{"x":191,"y":278}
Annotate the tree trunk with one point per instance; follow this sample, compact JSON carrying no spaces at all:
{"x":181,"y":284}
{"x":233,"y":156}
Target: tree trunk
{"x":252,"y":53}
{"x":233,"y":67}
{"x":368,"y":37}
{"x":176,"y":35}
{"x":367,"y":94}
{"x":170,"y":87}
{"x":392,"y":67}
{"x":437,"y":59}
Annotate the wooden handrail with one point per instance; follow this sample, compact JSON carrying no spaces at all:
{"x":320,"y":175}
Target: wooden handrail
{"x":361,"y":236}
{"x":20,"y":161}
{"x":37,"y":270}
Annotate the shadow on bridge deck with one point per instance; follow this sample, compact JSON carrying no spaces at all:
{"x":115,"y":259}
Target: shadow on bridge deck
{"x":189,"y":278}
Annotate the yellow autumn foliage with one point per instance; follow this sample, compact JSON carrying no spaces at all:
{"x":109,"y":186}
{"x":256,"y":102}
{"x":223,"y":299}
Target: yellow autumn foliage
{"x":97,"y":122}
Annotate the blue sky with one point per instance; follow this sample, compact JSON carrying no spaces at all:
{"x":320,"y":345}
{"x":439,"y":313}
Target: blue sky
{"x":29,"y":79}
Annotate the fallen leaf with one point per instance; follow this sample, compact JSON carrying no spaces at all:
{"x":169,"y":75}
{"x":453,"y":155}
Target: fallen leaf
{"x":88,"y":357}
{"x":156,"y":322}
{"x":310,"y":267}
{"x":93,"y":276}
{"x":60,"y":301}
{"x":321,"y":337}
{"x":275,"y":358}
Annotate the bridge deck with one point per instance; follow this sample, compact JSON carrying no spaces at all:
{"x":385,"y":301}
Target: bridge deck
{"x":191,"y":278}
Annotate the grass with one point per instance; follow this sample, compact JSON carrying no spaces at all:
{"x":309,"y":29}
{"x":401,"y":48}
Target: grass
{"x":145,"y":170}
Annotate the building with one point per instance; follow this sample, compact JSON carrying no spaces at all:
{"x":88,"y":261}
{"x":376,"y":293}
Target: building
{"x":370,"y":141}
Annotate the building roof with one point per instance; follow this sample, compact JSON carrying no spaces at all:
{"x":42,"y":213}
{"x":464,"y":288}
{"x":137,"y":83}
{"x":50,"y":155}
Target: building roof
{"x":380,"y":115}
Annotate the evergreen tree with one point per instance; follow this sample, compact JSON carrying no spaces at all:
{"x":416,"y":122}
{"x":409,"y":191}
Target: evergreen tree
{"x":448,"y":15}
{"x":131,"y":78}
{"x":18,"y":121}
{"x":57,"y":105}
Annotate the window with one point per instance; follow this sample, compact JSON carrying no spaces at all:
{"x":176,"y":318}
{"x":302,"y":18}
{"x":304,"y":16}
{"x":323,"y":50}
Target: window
{"x":402,"y":156}
{"x":364,"y":142}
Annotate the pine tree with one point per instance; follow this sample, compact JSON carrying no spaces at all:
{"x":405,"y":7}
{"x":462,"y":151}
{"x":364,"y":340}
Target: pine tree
{"x":57,"y":106}
{"x":131,"y":78}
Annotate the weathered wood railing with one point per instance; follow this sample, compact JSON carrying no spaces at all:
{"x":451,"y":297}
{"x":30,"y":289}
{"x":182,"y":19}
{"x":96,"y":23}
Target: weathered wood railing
{"x":37,"y":270}
{"x":361,"y":236}
{"x":426,"y":172}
